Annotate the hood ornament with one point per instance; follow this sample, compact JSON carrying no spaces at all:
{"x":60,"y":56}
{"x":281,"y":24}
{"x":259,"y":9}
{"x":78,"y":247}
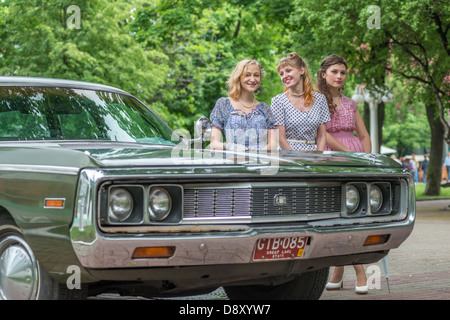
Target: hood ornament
{"x":280,"y":200}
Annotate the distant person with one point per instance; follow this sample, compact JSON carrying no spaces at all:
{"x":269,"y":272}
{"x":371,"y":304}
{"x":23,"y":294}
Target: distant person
{"x":246,"y":123}
{"x":403,"y":162}
{"x":424,"y":166}
{"x":345,"y":120}
{"x":412,"y":166}
{"x":300,"y":112}
{"x":447,"y":165}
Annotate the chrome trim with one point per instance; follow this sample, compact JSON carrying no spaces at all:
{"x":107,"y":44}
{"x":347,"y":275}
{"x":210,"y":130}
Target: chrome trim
{"x":17,"y":81}
{"x":73,"y":171}
{"x":234,"y":247}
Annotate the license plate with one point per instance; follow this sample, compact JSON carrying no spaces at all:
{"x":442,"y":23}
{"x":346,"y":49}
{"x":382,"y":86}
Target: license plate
{"x":279,"y":248}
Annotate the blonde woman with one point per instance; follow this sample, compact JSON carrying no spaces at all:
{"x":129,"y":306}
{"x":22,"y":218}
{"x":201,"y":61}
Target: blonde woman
{"x":300,"y":112}
{"x":246,"y":122}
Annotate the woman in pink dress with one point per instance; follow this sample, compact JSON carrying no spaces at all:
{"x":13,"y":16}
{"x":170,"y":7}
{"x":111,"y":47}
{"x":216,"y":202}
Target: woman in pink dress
{"x":345,"y":121}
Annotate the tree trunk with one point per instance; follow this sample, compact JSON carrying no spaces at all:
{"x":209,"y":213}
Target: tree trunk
{"x":433,"y":187}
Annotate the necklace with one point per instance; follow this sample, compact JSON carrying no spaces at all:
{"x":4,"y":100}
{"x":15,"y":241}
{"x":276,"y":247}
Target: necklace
{"x":296,"y":94}
{"x":337,"y":97}
{"x":251,"y":106}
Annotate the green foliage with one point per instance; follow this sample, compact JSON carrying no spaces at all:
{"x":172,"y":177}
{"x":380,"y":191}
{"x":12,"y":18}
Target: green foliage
{"x":412,"y":133}
{"x":176,"y":55}
{"x":202,"y":42}
{"x":37,"y":41}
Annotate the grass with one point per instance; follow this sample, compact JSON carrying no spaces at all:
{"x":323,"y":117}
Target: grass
{"x":420,"y":189}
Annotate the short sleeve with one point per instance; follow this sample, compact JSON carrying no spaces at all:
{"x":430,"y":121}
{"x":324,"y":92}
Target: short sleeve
{"x":353,"y":105}
{"x":270,"y":119}
{"x":219,"y":114}
{"x":323,"y":107}
{"x":277,"y":108}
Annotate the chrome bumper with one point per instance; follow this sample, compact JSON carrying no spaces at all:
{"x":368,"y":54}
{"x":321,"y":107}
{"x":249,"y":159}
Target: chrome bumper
{"x":115,"y":251}
{"x":226,"y":244}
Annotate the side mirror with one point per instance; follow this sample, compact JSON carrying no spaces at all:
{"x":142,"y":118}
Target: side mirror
{"x":202,"y":128}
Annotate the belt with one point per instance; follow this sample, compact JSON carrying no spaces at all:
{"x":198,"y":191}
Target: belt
{"x":301,"y":141}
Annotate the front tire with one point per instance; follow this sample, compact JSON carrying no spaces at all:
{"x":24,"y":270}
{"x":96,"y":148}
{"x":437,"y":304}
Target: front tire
{"x":305,"y":286}
{"x":21,"y":276}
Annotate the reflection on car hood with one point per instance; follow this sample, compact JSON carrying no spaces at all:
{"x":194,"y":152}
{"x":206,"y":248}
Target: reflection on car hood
{"x":116,"y":155}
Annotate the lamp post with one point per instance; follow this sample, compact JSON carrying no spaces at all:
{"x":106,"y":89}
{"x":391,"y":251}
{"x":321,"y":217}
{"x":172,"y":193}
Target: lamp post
{"x":374,"y":98}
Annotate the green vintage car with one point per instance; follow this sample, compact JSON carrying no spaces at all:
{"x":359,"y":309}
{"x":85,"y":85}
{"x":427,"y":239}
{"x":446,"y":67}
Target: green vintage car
{"x":97,"y":195}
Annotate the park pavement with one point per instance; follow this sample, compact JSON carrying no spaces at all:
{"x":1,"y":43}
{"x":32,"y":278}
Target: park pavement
{"x":418,"y":270}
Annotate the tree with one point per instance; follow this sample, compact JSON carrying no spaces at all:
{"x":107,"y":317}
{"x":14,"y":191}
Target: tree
{"x":418,"y":34}
{"x":40,"y":38}
{"x":202,"y":42}
{"x":406,"y":39}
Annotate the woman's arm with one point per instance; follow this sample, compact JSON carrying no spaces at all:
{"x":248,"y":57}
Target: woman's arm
{"x":216,"y":139}
{"x":321,"y":137}
{"x":282,"y":138}
{"x":362,"y":133}
{"x":271,"y":140}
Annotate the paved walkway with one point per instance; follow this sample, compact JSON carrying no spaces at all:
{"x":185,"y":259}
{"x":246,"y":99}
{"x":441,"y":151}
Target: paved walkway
{"x":418,"y":270}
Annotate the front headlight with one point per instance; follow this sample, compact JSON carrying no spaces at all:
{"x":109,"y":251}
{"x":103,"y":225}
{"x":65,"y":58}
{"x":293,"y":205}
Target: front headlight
{"x":120,"y":204}
{"x":160,"y":203}
{"x":352,"y":198}
{"x":375,"y":198}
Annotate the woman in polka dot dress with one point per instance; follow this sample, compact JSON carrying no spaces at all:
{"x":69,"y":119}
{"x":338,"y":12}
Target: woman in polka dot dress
{"x":345,"y":119}
{"x":300,"y":113}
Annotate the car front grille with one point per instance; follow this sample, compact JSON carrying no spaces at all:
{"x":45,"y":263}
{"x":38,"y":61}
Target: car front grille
{"x":261,"y":201}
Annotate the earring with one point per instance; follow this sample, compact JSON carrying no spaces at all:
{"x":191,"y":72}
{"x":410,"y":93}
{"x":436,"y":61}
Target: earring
{"x":324,"y":82}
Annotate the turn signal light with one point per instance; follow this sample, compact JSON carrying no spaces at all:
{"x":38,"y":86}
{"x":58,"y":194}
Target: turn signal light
{"x":377,"y":239}
{"x":54,"y":203}
{"x":153,"y":252}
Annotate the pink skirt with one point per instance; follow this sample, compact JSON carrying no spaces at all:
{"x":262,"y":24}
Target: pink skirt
{"x":347,"y":139}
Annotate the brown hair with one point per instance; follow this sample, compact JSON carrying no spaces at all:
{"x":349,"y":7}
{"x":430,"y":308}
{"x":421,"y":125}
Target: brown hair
{"x":295,"y":61}
{"x":234,"y":81}
{"x":321,"y":83}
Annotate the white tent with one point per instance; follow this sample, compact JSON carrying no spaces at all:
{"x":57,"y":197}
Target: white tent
{"x":386,"y":150}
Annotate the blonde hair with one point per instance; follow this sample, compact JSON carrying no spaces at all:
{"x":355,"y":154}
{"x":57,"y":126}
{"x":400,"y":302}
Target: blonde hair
{"x":295,"y":61}
{"x":234,"y":81}
{"x":321,"y":82}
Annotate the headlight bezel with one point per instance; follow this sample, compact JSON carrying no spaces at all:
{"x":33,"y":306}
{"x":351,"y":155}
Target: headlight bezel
{"x":159,"y":214}
{"x":356,"y":198}
{"x":367,"y":192}
{"x":134,"y":216}
{"x":140,"y":215}
{"x":375,"y":198}
{"x":119,"y":197}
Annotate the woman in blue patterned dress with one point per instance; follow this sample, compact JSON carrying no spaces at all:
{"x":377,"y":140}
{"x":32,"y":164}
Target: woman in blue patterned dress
{"x":247,"y":123}
{"x":300,"y":112}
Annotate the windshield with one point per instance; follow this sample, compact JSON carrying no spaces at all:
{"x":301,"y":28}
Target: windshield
{"x":37,"y":113}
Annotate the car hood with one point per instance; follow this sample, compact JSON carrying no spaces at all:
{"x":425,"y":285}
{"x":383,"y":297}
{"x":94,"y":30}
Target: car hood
{"x":116,"y":155}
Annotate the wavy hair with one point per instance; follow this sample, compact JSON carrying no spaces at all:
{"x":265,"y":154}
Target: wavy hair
{"x":321,"y":83}
{"x":295,"y":61}
{"x":234,"y":80}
